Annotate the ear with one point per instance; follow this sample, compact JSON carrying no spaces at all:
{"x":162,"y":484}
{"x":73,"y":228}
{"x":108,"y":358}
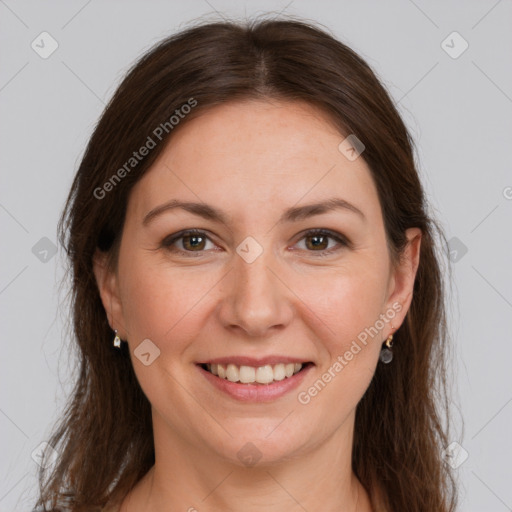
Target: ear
{"x":108,"y":287}
{"x":401,"y":283}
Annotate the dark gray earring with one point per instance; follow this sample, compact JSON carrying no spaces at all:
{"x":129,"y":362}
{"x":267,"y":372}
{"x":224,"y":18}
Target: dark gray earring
{"x":386,"y":352}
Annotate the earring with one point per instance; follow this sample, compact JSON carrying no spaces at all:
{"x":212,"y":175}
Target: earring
{"x":386,"y":352}
{"x":117,"y":340}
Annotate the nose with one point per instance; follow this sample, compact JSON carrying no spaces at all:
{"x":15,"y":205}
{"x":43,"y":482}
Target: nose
{"x":255,"y":299}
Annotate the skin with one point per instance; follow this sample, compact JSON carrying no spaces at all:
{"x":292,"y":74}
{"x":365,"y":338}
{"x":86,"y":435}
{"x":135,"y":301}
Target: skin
{"x":253,"y":160}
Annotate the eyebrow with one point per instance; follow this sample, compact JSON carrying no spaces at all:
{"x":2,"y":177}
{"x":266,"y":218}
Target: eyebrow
{"x":293,"y":214}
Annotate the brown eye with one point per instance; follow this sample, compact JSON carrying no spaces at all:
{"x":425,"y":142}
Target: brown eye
{"x":194,"y":241}
{"x":191,"y":241}
{"x":317,"y":240}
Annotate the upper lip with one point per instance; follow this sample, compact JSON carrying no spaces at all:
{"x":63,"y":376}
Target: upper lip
{"x":251,"y":361}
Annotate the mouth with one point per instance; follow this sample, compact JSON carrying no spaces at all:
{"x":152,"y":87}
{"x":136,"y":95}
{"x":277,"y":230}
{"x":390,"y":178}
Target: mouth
{"x":267,"y":374}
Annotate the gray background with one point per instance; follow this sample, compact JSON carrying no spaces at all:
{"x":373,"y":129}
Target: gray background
{"x":459,"y":113}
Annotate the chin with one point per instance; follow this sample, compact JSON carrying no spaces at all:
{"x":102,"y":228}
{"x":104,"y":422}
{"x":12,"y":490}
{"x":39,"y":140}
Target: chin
{"x":261,"y":448}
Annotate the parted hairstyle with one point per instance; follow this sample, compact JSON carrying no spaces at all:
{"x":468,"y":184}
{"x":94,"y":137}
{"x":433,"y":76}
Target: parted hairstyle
{"x":104,"y":436}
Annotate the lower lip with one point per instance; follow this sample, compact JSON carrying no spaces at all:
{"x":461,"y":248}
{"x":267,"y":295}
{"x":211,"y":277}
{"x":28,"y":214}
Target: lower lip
{"x":256,"y":392}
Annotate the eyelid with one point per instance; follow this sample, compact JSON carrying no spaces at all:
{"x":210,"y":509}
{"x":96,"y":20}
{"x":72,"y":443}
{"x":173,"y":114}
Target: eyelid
{"x":342,"y":240}
{"x":169,"y":240}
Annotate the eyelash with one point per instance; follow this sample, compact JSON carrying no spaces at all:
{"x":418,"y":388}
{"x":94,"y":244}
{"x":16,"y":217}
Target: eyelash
{"x":167,"y":243}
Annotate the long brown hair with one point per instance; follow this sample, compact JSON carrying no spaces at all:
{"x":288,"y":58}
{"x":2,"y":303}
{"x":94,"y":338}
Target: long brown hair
{"x":104,"y":437}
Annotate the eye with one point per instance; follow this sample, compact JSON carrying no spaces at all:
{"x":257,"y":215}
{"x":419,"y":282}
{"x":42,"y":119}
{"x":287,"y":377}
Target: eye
{"x":317,"y":240}
{"x":195,"y":241}
{"x":191,"y":241}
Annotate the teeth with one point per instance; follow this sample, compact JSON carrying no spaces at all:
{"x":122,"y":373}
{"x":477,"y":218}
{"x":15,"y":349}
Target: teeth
{"x":249,"y":374}
{"x":232,"y":373}
{"x":264,"y":374}
{"x":279,"y":372}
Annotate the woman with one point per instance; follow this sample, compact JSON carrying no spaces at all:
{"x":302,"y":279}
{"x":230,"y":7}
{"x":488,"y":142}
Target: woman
{"x":257,"y":295}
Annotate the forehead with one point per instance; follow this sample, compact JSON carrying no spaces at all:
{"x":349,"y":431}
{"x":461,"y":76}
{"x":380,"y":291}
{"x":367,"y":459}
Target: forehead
{"x":256,"y":153}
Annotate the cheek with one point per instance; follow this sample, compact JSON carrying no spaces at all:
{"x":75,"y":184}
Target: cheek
{"x":348,"y":300}
{"x":161,"y":302}
{"x":351,"y":305}
{"x":168,"y":303}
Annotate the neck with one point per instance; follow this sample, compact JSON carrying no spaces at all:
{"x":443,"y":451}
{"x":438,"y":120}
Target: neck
{"x":195,"y":479}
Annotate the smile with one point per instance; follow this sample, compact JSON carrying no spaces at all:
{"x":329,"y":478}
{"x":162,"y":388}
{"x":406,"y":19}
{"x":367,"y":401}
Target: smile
{"x":266,"y":374}
{"x":261,"y":381}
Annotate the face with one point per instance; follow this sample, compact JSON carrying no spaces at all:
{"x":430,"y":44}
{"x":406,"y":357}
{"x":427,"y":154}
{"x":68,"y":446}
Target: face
{"x":269,"y":284}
